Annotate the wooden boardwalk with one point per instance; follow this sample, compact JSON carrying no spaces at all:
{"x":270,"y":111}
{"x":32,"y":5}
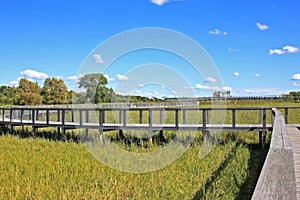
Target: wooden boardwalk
{"x":151,"y":119}
{"x":294,"y":137}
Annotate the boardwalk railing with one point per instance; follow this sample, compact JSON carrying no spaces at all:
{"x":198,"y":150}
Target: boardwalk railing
{"x":277,"y":178}
{"x":155,"y":118}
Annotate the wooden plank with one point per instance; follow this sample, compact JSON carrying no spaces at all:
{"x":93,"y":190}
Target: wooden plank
{"x":277,"y":179}
{"x":294,"y":136}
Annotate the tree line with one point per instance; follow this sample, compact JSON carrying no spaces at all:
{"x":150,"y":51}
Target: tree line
{"x":54,"y":91}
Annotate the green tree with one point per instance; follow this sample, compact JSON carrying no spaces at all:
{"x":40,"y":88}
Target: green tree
{"x":7,"y":94}
{"x":96,"y":90}
{"x":27,"y":93}
{"x":54,"y":91}
{"x":293,"y":96}
{"x":76,"y":98}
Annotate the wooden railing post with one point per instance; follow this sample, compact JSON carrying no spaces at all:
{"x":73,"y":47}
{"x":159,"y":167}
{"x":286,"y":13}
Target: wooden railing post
{"x":63,"y":113}
{"x":150,"y":131}
{"x":233,"y":117}
{"x":141,"y":116}
{"x":101,"y":122}
{"x":124,"y":117}
{"x":47,"y":116}
{"x":176,"y":118}
{"x":80,"y":117}
{"x":10,"y":114}
{"x":3,"y":114}
{"x":33,"y":116}
{"x":21,"y":118}
{"x":161,"y":116}
{"x":204,"y":118}
{"x":120,"y":116}
{"x":286,"y":115}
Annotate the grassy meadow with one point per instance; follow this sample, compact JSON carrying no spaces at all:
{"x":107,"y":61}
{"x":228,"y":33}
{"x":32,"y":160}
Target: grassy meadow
{"x":38,"y":168}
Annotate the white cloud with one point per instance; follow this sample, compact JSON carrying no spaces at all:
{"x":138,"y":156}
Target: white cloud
{"x":159,"y":2}
{"x":232,"y":50}
{"x":296,"y":77}
{"x":14,"y":83}
{"x":34,"y":75}
{"x":108,"y":77}
{"x":262,"y":27}
{"x":265,"y":91}
{"x":122,"y":77}
{"x":205,"y":87}
{"x":59,"y":77}
{"x":72,"y":78}
{"x":236,"y":74}
{"x":210,"y":80}
{"x":276,"y":51}
{"x":98,"y":58}
{"x":294,"y":84}
{"x":217,"y":32}
{"x":284,"y":50}
{"x":257,"y":75}
{"x":290,"y":49}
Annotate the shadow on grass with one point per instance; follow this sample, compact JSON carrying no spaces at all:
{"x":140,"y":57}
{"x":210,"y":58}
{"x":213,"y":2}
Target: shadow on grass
{"x":200,"y":194}
{"x":255,"y":164}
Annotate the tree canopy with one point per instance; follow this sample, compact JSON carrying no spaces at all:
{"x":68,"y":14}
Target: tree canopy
{"x":54,"y":91}
{"x":95,"y":88}
{"x":27,"y":93}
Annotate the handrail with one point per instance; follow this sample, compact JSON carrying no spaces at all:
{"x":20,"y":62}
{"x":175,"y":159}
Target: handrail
{"x":277,"y":179}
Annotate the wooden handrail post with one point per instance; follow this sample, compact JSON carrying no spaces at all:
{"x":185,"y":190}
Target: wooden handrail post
{"x":21,"y":118}
{"x":33,"y":116}
{"x":10,"y":114}
{"x":150,"y":118}
{"x":73,"y":118}
{"x":87,"y":117}
{"x":233,"y":117}
{"x":58,"y":115}
{"x":204,"y":118}
{"x":141,"y":116}
{"x":37,"y":114}
{"x":80,"y":117}
{"x":286,"y":115}
{"x":63,"y":117}
{"x":264,"y":119}
{"x":176,"y":118}
{"x":161,"y":117}
{"x":124,"y":117}
{"x":47,"y":117}
{"x":150,"y":131}
{"x":101,"y":117}
{"x":120,"y":116}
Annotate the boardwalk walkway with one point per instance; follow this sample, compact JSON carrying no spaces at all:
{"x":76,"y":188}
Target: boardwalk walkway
{"x":294,"y":137}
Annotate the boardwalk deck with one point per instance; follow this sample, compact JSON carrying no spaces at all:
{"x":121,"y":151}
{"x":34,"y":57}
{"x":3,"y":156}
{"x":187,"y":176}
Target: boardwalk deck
{"x":294,"y":137}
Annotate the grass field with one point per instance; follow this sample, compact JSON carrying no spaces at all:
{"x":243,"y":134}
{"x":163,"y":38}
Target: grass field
{"x":35,"y":168}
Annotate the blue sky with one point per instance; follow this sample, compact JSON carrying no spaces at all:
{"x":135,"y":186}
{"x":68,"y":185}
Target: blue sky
{"x":254,"y":44}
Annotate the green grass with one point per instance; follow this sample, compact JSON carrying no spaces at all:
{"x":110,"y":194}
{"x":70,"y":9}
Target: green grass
{"x":40,"y":169}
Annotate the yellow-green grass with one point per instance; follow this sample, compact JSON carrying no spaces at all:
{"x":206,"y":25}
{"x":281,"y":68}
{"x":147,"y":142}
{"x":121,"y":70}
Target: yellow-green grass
{"x":41,"y":169}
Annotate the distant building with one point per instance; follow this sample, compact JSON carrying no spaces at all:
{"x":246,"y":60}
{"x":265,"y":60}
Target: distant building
{"x":222,"y":94}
